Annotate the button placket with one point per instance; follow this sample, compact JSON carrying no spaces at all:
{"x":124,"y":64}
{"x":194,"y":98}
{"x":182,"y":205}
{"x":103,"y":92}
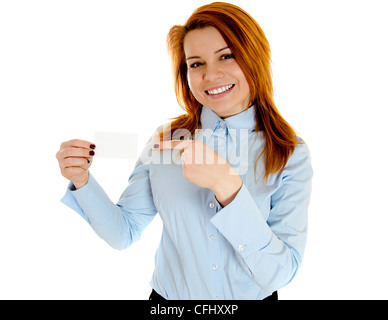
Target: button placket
{"x":214,"y":256}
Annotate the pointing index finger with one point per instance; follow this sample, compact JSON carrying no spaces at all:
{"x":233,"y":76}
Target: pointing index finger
{"x":172,"y":144}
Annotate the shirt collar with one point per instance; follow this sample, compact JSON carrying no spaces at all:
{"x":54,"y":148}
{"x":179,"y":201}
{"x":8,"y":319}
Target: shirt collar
{"x":242,"y":120}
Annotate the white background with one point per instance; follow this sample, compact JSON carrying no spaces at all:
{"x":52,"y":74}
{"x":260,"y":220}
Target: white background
{"x":70,"y":68}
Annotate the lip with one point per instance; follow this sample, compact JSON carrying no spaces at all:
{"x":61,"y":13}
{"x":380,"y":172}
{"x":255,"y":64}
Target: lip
{"x":220,"y":95}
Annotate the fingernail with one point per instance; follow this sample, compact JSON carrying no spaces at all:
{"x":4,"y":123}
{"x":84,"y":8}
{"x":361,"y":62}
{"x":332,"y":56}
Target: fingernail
{"x":156,"y":145}
{"x":91,"y":153}
{"x":92,"y":146}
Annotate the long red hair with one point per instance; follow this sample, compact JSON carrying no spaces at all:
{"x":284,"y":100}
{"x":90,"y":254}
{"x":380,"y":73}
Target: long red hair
{"x":251,"y":49}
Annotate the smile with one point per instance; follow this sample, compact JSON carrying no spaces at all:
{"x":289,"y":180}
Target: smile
{"x":219,"y":90}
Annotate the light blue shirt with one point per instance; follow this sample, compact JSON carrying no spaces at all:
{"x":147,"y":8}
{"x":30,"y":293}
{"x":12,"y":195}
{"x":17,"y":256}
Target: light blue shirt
{"x":246,"y":250}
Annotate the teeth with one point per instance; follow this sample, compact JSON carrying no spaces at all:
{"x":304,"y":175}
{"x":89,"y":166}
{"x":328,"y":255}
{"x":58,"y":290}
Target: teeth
{"x":220,"y":90}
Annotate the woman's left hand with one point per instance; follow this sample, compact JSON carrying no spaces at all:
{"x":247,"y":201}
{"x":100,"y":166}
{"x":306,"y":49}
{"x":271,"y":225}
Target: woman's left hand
{"x":206,"y":168}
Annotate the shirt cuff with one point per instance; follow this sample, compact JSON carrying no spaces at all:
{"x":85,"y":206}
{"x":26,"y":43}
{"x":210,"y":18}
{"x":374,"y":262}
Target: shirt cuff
{"x":243,"y":225}
{"x":76,"y":198}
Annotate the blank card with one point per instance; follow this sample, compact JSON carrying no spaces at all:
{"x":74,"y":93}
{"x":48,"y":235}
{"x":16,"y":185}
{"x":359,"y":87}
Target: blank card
{"x":115,"y":145}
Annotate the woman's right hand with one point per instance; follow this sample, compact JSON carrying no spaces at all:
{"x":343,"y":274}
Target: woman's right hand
{"x":75,"y":158}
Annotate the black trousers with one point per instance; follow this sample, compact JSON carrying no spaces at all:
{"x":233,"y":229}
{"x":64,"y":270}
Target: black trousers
{"x":158,"y":298}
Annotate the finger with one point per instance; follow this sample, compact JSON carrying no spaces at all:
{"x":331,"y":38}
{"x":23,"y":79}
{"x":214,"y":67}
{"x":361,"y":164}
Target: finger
{"x":172,"y":144}
{"x":76,"y":162}
{"x":71,"y":172}
{"x":76,"y":152}
{"x":76,"y":143}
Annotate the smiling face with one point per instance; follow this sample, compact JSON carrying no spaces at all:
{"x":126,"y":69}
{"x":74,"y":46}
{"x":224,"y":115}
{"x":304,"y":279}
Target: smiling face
{"x":215,"y":79}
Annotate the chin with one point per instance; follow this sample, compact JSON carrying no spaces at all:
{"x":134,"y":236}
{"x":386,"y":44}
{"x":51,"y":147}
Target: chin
{"x":221,"y":111}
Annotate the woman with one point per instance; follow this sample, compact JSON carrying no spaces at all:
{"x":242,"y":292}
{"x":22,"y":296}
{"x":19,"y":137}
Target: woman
{"x":234,"y":206}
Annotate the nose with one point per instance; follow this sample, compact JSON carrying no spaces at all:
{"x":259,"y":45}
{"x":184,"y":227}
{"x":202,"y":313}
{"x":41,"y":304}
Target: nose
{"x":212,"y":73}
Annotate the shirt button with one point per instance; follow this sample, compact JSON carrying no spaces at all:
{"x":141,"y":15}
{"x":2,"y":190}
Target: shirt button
{"x":212,"y":238}
{"x":240,"y":248}
{"x":215,"y":267}
{"x":211,"y":205}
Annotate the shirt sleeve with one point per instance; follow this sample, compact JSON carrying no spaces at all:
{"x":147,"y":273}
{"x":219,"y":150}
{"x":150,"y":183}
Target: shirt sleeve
{"x":271,"y":251}
{"x":118,"y":224}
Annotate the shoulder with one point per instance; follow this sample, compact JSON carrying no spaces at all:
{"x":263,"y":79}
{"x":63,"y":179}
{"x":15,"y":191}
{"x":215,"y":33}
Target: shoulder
{"x":300,"y":160}
{"x":301,"y":149}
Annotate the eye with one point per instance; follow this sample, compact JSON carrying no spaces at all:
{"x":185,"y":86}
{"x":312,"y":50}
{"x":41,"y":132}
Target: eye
{"x":227,"y":56}
{"x":196,"y":65}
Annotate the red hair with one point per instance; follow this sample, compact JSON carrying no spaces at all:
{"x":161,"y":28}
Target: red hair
{"x":251,"y":49}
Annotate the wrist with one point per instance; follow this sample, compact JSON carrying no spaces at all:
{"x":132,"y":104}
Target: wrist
{"x":79,"y":184}
{"x":226,"y":190}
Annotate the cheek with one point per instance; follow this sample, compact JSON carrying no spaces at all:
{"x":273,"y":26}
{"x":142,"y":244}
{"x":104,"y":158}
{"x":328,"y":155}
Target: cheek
{"x":194,"y":84}
{"x":239,"y":74}
{"x":246,"y":87}
{"x":243,"y":82}
{"x":189,"y":81}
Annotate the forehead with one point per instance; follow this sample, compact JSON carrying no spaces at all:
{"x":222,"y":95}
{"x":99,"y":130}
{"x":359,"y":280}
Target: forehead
{"x":203,"y":40}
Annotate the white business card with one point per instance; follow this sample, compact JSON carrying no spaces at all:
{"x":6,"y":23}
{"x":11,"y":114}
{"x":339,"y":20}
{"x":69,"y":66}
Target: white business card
{"x":116,"y":145}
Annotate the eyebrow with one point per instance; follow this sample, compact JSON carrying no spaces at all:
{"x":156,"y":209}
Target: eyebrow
{"x":215,"y":52}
